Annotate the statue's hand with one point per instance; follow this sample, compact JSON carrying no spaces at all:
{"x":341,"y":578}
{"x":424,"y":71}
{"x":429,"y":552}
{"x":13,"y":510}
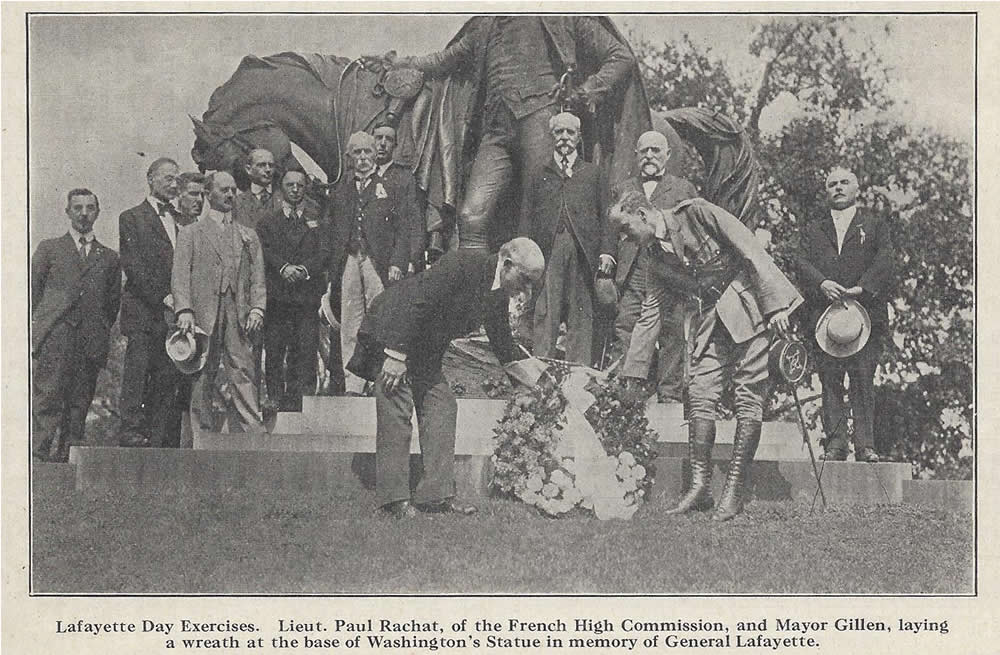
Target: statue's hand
{"x":377,"y":63}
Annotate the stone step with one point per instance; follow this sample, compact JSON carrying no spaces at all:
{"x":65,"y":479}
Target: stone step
{"x":949,"y":495}
{"x":324,"y":420}
{"x":100,"y":469}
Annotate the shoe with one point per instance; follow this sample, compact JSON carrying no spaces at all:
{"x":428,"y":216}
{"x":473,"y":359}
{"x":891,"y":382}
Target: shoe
{"x":744,"y":448}
{"x":834,"y":455}
{"x":866,"y":454}
{"x":399,"y":509}
{"x":449,"y":506}
{"x":701,"y":438}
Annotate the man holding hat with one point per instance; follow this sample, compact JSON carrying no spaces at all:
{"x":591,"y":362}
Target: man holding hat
{"x":564,"y":215}
{"x":218,"y":286}
{"x":846,"y":262}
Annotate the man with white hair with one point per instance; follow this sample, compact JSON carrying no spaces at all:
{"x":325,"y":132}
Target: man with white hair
{"x":563,"y":213}
{"x":649,"y":313}
{"x":401,"y":345}
{"x":371,"y":218}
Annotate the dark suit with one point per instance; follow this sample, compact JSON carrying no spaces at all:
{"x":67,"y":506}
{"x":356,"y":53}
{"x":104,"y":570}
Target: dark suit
{"x":248,"y":210}
{"x":371,"y":230}
{"x":867,"y":259}
{"x":648,"y":313}
{"x":73,"y":306}
{"x":419,"y":317}
{"x":565,"y":217}
{"x":291,"y":325}
{"x":150,"y":382}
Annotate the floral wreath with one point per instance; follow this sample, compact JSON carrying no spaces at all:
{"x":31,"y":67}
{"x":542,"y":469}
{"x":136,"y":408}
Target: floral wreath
{"x":530,"y":459}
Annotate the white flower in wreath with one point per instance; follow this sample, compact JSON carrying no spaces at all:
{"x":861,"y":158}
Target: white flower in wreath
{"x":626,"y":458}
{"x":639,"y":472}
{"x":550,"y":490}
{"x":534,"y":483}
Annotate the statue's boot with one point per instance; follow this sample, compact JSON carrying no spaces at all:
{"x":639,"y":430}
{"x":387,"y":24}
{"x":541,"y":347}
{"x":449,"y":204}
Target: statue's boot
{"x":701,"y":438}
{"x":744,"y":448}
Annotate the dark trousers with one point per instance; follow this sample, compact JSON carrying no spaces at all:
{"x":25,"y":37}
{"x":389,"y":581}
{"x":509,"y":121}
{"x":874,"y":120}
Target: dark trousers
{"x":291,"y":337}
{"x":150,"y":386}
{"x":565,"y":292}
{"x":63,"y":380}
{"x":506,"y":140}
{"x":437,"y":411}
{"x":860,"y":370}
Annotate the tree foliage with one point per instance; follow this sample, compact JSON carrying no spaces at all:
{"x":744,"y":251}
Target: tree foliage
{"x":821,"y":96}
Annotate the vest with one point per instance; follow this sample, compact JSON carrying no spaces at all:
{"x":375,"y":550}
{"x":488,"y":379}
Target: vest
{"x":519,"y":70}
{"x":231,"y":262}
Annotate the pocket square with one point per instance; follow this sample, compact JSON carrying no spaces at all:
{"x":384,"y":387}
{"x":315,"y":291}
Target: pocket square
{"x":380,"y":191}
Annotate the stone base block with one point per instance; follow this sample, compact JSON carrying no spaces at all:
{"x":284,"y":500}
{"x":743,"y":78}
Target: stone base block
{"x":949,"y":495}
{"x":170,"y":470}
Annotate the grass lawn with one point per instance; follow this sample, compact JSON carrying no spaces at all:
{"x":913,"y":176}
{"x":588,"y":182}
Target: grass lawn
{"x":251,"y":544}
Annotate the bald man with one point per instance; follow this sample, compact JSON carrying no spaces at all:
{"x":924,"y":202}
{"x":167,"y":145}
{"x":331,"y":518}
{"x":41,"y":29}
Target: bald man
{"x":218,"y":284}
{"x":564,"y":214}
{"x":371,"y":218}
{"x":404,"y":340}
{"x":848,"y":253}
{"x":649,"y":313}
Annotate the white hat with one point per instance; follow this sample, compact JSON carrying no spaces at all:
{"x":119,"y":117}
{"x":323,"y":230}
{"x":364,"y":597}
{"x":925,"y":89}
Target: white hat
{"x":188,"y":350}
{"x":844,"y":328}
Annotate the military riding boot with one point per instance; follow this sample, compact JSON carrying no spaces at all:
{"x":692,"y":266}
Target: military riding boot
{"x":701,"y":438}
{"x":744,"y":448}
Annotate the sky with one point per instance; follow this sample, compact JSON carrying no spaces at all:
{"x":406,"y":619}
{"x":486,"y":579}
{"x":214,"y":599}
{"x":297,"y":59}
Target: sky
{"x":110,"y":93}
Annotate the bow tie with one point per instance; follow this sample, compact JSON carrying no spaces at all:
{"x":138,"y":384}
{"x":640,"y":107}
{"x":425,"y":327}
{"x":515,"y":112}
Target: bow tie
{"x":164,"y":209}
{"x":652,"y":178}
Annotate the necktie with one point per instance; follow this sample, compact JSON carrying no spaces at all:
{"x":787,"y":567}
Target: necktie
{"x":567,"y":171}
{"x":83,"y":248}
{"x":264,"y":196}
{"x":652,"y":178}
{"x":164,"y":209}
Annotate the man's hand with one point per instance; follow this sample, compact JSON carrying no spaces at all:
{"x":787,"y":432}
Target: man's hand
{"x":853,"y":292}
{"x":169,"y":301}
{"x":832,"y":290}
{"x":607,"y":265}
{"x":395,"y":274}
{"x":779,"y":322}
{"x":185,"y":321}
{"x":254,"y":321}
{"x":393,"y":374}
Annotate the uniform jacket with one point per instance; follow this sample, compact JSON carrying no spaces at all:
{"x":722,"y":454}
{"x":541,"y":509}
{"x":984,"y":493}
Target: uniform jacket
{"x":713,"y":241}
{"x":83,"y":294}
{"x":549,"y":192}
{"x":420,"y":315}
{"x":147,"y":258}
{"x":300,"y":241}
{"x":198,"y":270}
{"x":866,"y":259}
{"x":249,"y":211}
{"x":670,"y":191}
{"x":389,"y":219}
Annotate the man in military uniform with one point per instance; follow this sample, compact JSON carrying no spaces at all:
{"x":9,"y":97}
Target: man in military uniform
{"x":737,"y":297}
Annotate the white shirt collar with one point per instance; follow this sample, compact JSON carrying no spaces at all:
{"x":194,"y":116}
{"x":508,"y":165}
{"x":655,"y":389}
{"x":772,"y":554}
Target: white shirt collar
{"x":88,"y":237}
{"x":571,"y":158}
{"x":496,"y":275}
{"x":156,"y":202}
{"x":287,"y":209}
{"x":256,"y":188}
{"x":217,"y":216}
{"x":846,"y":215}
